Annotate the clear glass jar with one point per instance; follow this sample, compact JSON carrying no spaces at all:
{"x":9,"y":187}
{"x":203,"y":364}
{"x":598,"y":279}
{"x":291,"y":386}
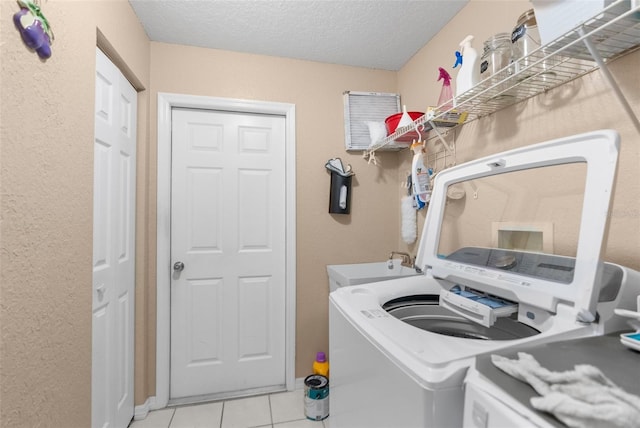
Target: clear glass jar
{"x":529,"y":57}
{"x":525,"y":39}
{"x":496,"y":54}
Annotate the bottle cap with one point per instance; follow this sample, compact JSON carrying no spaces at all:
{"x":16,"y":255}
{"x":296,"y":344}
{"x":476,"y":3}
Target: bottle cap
{"x":466,"y":42}
{"x":320,"y":357}
{"x":528,"y":18}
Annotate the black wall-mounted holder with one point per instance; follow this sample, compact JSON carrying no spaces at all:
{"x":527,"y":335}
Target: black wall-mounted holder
{"x":340,"y":194}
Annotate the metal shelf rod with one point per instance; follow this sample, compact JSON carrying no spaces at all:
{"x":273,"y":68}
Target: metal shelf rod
{"x":609,"y":78}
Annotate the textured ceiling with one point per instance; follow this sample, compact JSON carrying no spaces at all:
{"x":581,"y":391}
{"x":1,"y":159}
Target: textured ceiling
{"x":380,"y":34}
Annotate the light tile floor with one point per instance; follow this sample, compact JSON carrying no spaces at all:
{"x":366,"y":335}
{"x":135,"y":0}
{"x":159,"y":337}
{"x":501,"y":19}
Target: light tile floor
{"x":279,"y":410}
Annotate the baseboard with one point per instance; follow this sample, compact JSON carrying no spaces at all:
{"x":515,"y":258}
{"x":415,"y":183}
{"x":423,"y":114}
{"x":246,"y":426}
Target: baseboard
{"x":299,"y":383}
{"x":141,"y":411}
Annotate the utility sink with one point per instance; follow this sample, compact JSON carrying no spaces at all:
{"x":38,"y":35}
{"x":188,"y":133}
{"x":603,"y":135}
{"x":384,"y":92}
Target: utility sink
{"x":362,"y":273}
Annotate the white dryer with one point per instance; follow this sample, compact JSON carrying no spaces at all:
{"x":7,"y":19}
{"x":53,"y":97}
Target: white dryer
{"x":493,"y":399}
{"x":515,"y":261}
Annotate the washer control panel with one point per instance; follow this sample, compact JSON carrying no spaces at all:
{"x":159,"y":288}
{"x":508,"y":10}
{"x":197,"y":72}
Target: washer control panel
{"x":536,"y":265}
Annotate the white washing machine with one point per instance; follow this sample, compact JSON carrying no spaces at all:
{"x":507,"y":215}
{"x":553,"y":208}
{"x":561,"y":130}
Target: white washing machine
{"x":515,"y":261}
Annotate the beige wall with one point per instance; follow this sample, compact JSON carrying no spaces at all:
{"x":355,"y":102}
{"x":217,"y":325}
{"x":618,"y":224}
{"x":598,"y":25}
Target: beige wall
{"x":583,"y":105}
{"x":46,"y":189}
{"x":552,"y":195}
{"x":46,"y":179}
{"x":370,"y":232}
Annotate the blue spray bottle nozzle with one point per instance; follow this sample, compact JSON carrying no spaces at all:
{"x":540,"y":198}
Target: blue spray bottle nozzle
{"x":458,"y":59}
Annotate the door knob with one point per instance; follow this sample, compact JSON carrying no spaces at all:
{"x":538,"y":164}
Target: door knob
{"x":178,"y":266}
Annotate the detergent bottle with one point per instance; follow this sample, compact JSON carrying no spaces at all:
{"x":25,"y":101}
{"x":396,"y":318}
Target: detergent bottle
{"x":421,"y":182}
{"x":321,"y":365}
{"x":469,"y":72}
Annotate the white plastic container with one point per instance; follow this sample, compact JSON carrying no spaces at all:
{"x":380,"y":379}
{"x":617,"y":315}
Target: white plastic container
{"x":469,"y":73}
{"x":557,"y":17}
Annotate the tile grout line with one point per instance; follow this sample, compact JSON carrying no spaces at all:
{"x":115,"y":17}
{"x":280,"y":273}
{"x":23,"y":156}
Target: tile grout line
{"x":270,"y":424}
{"x":172,"y":416}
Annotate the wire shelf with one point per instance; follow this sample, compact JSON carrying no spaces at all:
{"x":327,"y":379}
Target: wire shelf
{"x":614,"y":32}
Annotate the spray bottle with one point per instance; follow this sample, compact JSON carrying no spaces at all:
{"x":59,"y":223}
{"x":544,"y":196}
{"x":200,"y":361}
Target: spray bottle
{"x":420,"y":179}
{"x":469,"y":73}
{"x":445,"y":101}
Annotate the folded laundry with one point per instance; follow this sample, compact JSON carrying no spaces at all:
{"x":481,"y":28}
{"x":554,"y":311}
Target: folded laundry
{"x":583,"y":397}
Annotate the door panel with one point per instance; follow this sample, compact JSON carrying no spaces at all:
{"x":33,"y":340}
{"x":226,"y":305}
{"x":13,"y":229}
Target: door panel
{"x":204,"y":215}
{"x":228,"y":228}
{"x":113,"y":247}
{"x":254,"y":211}
{"x":101,"y":404}
{"x":253,"y":308}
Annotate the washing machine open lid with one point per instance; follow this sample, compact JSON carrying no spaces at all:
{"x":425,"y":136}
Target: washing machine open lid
{"x":528,"y":224}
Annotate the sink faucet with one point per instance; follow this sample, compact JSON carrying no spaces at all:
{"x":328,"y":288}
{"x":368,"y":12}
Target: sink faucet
{"x":406,"y":259}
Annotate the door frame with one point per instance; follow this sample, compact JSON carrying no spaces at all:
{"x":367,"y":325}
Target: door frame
{"x":167,"y":101}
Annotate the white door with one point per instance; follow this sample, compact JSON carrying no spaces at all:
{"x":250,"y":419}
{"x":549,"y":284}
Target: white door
{"x":113,"y":247}
{"x":228,"y":232}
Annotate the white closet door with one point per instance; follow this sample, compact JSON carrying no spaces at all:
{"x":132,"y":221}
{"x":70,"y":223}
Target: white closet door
{"x":113,"y":246}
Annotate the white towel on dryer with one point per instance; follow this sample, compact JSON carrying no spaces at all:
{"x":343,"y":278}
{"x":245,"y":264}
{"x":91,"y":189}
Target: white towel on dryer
{"x":583,"y":397}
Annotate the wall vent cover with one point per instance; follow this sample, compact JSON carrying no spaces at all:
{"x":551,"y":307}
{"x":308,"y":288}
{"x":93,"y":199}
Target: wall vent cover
{"x":363,"y":107}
